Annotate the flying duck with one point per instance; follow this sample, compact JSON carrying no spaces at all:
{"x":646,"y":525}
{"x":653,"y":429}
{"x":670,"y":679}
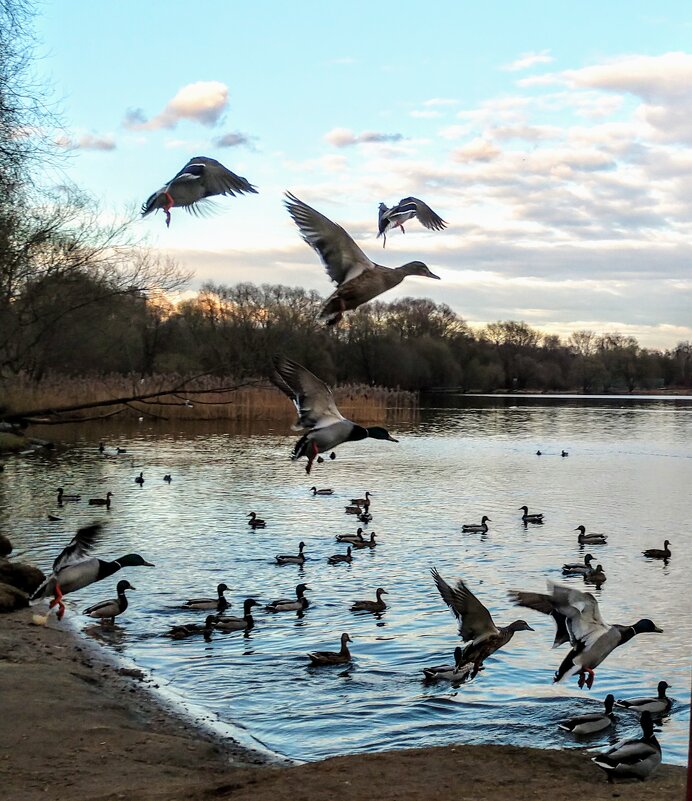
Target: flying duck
{"x":633,"y":759}
{"x":371,"y":606}
{"x":578,"y":568}
{"x":657,"y":706}
{"x":579,"y":622}
{"x":658,"y":553}
{"x":357,"y":537}
{"x":140,"y":479}
{"x":338,"y":558}
{"x":287,"y":605}
{"x":325,"y":491}
{"x":533,"y":518}
{"x":219,"y":603}
{"x":406,"y":209}
{"x":456,"y":673}
{"x":256,"y":522}
{"x":224,"y":623}
{"x":74,"y":568}
{"x":109,"y":610}
{"x":476,"y":625}
{"x":102,"y":501}
{"x":191,"y":188}
{"x":481,"y":527}
{"x":181,"y":631}
{"x":590,"y":724}
{"x":332,"y":657}
{"x":363,"y":543}
{"x":590,"y":539}
{"x":358,"y":279}
{"x":63,"y":497}
{"x":317,"y":412}
{"x":292,"y":559}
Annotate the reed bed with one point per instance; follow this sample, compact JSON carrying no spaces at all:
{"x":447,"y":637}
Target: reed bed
{"x":206,"y":398}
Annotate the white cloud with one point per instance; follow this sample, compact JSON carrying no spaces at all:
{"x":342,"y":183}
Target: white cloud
{"x":477,"y":150}
{"x":87,"y":141}
{"x":345,"y":137}
{"x":203,"y":102}
{"x":527,"y":60}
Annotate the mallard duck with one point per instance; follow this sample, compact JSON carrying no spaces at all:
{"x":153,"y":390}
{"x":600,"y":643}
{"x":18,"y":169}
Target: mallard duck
{"x":406,"y":209}
{"x":578,"y":568}
{"x":224,"y":623}
{"x":140,"y":479}
{"x":292,"y":559}
{"x":358,"y":279}
{"x":5,"y":546}
{"x":168,"y":478}
{"x":324,"y":491}
{"x":183,"y":630}
{"x":256,"y":522}
{"x":201,"y":178}
{"x":338,"y":558}
{"x":287,"y":605}
{"x":579,"y":622}
{"x":74,"y":568}
{"x":658,"y":553}
{"x":332,"y":657}
{"x":106,"y":451}
{"x":317,"y":412}
{"x":456,"y":673}
{"x":352,"y":510}
{"x":357,"y":537}
{"x":481,"y":527}
{"x":219,"y":603}
{"x":371,"y":606}
{"x":564,"y":453}
{"x":590,"y":539}
{"x":476,"y":624}
{"x":592,"y":723}
{"x":656,"y":706}
{"x":539,"y":453}
{"x":363,"y":543}
{"x":102,"y":501}
{"x":530,"y":518}
{"x":365,"y":517}
{"x":632,"y":759}
{"x":595,"y":576}
{"x":362,"y":501}
{"x":63,"y":497}
{"x":109,"y":610}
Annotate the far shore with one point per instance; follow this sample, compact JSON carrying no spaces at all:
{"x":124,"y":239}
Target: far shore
{"x":73,"y":726}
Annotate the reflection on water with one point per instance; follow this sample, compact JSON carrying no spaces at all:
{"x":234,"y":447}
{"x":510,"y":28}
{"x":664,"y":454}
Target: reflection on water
{"x":628,"y":475}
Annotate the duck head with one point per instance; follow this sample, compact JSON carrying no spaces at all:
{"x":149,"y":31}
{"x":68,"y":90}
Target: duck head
{"x":646,"y":626}
{"x":580,"y":529}
{"x":248,"y":604}
{"x":379,"y":592}
{"x":124,"y":585}
{"x":300,"y":590}
{"x":377,"y":432}
{"x":345,"y":638}
{"x":133,"y":560}
{"x":485,"y":519}
{"x":662,"y":687}
{"x":520,"y":625}
{"x":418,"y":268}
{"x":609,"y":701}
{"x":221,"y":589}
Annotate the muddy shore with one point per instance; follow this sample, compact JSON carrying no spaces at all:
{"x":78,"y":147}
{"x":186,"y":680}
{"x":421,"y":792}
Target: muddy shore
{"x":71,"y":725}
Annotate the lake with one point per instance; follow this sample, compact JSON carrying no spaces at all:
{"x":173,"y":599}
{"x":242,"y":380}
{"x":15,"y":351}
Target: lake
{"x":628,"y":474}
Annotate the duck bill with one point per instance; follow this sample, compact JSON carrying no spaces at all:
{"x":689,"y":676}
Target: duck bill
{"x":657,"y":630}
{"x":390,"y":438}
{"x":432,"y":275}
{"x":147,"y":564}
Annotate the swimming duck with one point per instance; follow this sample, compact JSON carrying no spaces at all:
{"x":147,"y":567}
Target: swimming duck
{"x":287,"y":605}
{"x":358,"y":279}
{"x":140,"y":479}
{"x":201,"y":178}
{"x":5,"y":546}
{"x":225,"y":623}
{"x":592,"y":723}
{"x":533,"y":518}
{"x":476,"y":624}
{"x":363,"y":543}
{"x":578,"y":568}
{"x":456,"y":673}
{"x":183,"y":630}
{"x":317,"y":412}
{"x":108,"y":610}
{"x":658,"y":553}
{"x":633,"y":759}
{"x":371,"y":606}
{"x":292,"y":559}
{"x":110,"y":451}
{"x":579,"y":622}
{"x":338,"y":558}
{"x":325,"y":491}
{"x":590,"y":539}
{"x":357,"y":537}
{"x":595,"y":576}
{"x":63,"y":497}
{"x":539,"y":453}
{"x":333,"y":657}
{"x":564,"y":453}
{"x":256,"y":522}
{"x":481,"y":527}
{"x":656,"y":706}
{"x":352,"y":510}
{"x":167,"y":478}
{"x":102,"y":501}
{"x":74,"y":568}
{"x":362,"y":501}
{"x":365,"y":517}
{"x":406,"y":209}
{"x":219,"y":603}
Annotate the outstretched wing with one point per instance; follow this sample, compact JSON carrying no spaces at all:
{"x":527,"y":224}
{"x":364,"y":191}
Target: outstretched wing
{"x":475,"y":622}
{"x":425,"y":214}
{"x":79,"y":547}
{"x":342,"y":258}
{"x":312,"y":397}
{"x":216,"y":179}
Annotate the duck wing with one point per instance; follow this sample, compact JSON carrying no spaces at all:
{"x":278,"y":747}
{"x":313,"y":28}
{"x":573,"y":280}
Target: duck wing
{"x":312,"y":397}
{"x":214,"y":177}
{"x":475,"y":622}
{"x":342,"y":258}
{"x":425,"y":214}
{"x":79,"y":547}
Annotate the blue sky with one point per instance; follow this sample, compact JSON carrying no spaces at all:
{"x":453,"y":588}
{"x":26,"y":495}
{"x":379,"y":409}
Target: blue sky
{"x":554,"y":138}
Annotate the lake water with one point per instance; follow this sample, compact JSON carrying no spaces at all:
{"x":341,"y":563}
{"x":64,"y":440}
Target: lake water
{"x":628,"y":474}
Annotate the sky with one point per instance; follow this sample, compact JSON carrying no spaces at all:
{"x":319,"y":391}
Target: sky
{"x":554,"y":139}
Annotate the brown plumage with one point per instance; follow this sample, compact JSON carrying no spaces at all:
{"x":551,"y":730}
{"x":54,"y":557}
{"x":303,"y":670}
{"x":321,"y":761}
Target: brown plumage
{"x":333,"y":657}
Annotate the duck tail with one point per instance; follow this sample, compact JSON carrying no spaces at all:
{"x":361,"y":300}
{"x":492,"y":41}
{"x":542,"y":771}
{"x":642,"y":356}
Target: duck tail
{"x":333,"y":311}
{"x":567,"y":668}
{"x":151,"y":204}
{"x":46,"y":588}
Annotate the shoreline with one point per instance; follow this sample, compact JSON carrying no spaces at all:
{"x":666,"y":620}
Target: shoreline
{"x":73,"y":721}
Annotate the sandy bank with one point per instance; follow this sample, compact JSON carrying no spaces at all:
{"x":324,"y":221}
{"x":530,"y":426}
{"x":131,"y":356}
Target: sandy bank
{"x":71,"y":726}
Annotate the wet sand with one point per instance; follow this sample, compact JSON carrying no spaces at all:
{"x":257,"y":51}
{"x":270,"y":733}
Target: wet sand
{"x":71,"y":725}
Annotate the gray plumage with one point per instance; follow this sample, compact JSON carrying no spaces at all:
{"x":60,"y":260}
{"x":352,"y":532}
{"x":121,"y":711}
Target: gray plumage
{"x":109,"y":610}
{"x":481,"y":527}
{"x":657,"y":705}
{"x":406,"y":209}
{"x":632,"y":759}
{"x":585,"y":725}
{"x":371,"y":606}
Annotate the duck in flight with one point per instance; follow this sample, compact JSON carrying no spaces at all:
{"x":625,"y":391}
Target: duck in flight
{"x":406,"y":209}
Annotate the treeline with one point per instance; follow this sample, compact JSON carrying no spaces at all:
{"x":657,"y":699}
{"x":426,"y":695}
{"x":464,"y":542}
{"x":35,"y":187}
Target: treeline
{"x":412,"y":344}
